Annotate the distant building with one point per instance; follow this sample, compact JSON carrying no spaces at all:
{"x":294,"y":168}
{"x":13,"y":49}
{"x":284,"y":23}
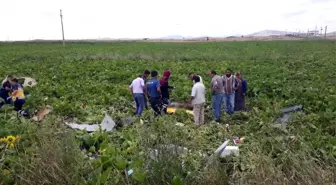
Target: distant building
{"x":313,"y":33}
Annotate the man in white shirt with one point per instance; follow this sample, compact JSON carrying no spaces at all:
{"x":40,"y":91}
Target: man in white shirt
{"x":198,"y":100}
{"x":137,"y":89}
{"x":192,"y":76}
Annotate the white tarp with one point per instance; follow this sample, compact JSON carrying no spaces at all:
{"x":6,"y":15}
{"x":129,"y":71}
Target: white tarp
{"x":28,"y":82}
{"x":25,"y":81}
{"x":107,"y":124}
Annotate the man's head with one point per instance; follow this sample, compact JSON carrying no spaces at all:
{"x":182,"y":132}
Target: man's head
{"x":197,"y":79}
{"x":146,"y":73}
{"x":191,"y":75}
{"x":238,"y":75}
{"x":228,"y":72}
{"x":14,"y":81}
{"x":212,"y":73}
{"x":9,"y":78}
{"x":154,"y":74}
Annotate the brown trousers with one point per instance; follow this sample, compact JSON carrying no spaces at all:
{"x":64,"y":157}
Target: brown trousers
{"x":199,"y":113}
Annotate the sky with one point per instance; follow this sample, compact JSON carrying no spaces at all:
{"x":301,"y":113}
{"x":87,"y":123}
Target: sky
{"x":88,"y":19}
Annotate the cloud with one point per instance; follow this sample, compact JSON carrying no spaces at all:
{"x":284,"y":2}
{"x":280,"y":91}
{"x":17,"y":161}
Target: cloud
{"x":23,"y":20}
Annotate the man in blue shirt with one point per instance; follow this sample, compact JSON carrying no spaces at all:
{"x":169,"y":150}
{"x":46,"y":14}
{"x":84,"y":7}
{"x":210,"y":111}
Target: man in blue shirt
{"x":154,"y":93}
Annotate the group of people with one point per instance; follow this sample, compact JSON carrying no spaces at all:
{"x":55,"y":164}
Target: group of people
{"x":154,"y":90}
{"x":228,"y":90}
{"x":12,"y":92}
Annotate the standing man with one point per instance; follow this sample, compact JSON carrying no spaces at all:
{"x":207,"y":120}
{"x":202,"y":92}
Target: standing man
{"x":154,"y":93}
{"x":217,"y":89}
{"x":230,"y":86}
{"x":192,"y":76}
{"x":164,"y":86}
{"x":137,"y":90}
{"x":240,"y":93}
{"x":198,"y":100}
{"x":144,"y":77}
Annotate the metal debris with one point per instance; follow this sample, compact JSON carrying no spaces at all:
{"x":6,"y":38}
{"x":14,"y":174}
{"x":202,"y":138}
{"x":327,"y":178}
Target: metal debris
{"x":107,"y":124}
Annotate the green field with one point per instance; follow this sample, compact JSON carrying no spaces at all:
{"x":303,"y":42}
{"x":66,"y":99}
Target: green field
{"x":278,"y":73}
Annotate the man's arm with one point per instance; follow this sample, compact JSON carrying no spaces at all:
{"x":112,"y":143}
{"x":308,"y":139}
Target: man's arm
{"x":236,"y":83}
{"x":244,"y":83}
{"x":158,"y":88}
{"x":193,"y":94}
{"x":131,"y":88}
{"x":8,"y":88}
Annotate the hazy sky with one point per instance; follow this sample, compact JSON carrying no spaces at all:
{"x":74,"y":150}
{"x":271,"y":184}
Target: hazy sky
{"x":39,"y":19}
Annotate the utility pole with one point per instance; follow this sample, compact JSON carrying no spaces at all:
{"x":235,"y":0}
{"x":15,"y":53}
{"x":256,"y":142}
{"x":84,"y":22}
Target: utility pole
{"x":325,"y":32}
{"x":62,"y":27}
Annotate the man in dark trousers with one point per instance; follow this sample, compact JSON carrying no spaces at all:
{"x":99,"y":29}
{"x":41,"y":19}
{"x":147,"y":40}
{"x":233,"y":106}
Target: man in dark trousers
{"x":144,"y":77}
{"x":164,"y":86}
{"x":154,"y":93}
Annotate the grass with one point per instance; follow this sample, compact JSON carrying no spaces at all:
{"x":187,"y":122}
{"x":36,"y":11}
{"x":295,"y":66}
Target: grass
{"x":279,"y":74}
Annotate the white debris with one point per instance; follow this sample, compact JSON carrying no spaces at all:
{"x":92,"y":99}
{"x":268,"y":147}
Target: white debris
{"x":179,"y":124}
{"x":225,"y":150}
{"x":107,"y":124}
{"x":28,"y":82}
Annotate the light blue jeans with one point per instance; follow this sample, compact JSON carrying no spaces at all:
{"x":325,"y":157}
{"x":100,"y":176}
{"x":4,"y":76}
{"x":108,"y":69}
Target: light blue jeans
{"x":217,"y":101}
{"x":229,"y":100}
{"x":140,"y":102}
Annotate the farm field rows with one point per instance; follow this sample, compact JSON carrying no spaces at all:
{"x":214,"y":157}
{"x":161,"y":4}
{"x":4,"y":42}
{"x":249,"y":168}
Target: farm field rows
{"x":279,"y":74}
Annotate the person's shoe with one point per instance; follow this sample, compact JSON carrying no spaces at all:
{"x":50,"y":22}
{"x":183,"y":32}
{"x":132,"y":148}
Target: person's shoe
{"x":24,"y":114}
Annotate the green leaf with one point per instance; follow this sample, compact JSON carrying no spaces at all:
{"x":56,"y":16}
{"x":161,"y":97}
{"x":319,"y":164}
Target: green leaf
{"x":104,"y":176}
{"x":88,"y":141}
{"x":177,"y":181}
{"x":139,"y":175}
{"x":121,"y":163}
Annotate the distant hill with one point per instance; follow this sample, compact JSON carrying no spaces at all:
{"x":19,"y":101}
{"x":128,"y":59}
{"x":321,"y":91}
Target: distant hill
{"x":267,"y":33}
{"x":177,"y":37}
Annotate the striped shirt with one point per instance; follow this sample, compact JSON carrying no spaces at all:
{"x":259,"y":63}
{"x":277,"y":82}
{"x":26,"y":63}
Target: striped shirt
{"x":230,"y":84}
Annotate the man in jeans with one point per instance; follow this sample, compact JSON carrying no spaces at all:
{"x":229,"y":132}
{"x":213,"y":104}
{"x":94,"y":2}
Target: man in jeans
{"x":217,"y":90}
{"x":154,"y":93}
{"x":198,"y":100}
{"x":230,"y":86}
{"x":144,"y":77}
{"x":137,"y":90}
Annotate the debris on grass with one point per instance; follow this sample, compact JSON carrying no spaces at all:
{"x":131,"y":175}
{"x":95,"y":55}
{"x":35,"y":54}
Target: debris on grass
{"x":224,"y":150}
{"x":27,"y":81}
{"x":287,"y":113}
{"x":107,"y":124}
{"x":39,"y":116}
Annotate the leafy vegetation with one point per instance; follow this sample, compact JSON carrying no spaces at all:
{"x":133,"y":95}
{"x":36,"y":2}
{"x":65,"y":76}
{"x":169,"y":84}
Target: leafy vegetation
{"x":97,"y":75}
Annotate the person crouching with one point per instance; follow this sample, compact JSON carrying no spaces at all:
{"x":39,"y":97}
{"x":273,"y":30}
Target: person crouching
{"x":5,"y":90}
{"x":198,"y":100}
{"x":18,"y":96}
